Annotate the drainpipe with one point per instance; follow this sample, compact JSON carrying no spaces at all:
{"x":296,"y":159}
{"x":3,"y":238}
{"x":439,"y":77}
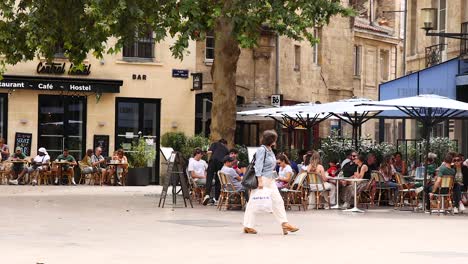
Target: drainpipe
{"x":279,"y":129}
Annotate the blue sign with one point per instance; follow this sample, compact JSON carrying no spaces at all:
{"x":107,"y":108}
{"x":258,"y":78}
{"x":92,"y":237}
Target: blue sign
{"x":176,"y":73}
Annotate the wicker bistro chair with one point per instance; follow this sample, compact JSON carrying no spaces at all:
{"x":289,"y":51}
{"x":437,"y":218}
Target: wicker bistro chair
{"x":296,"y":194}
{"x":60,"y":173}
{"x":44,"y":176}
{"x":405,"y":191}
{"x":314,"y":180}
{"x":197,"y":190}
{"x":86,"y":176}
{"x":366,"y":196}
{"x":445,"y":195}
{"x":5,"y":170}
{"x":229,"y":194}
{"x":381,"y":187}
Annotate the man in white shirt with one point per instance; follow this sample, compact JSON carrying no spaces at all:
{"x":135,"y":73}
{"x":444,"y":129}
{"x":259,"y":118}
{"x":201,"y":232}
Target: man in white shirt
{"x":38,"y":164}
{"x":197,"y":167}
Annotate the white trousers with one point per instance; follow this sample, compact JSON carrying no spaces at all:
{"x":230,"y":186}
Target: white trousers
{"x":329,"y":187}
{"x":277,"y":205}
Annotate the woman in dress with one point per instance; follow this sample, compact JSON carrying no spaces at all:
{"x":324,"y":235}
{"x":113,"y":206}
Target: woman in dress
{"x":285,"y":171}
{"x":266,"y":174}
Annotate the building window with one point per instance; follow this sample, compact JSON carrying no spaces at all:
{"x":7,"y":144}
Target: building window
{"x":209,"y":47}
{"x":59,"y":50}
{"x":315,"y":48}
{"x":442,"y":22}
{"x":297,"y":57}
{"x":141,"y":48}
{"x":357,"y":60}
{"x":384,"y":64}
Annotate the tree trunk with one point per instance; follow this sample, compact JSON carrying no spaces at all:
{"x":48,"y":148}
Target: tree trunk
{"x":223,"y":112}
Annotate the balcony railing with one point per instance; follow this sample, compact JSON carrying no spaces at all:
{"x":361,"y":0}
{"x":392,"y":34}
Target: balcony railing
{"x":434,"y":54}
{"x":464,"y":43}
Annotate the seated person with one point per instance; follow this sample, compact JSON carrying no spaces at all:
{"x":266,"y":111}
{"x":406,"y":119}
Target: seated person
{"x":333,"y":167}
{"x":120,"y":157}
{"x":362,"y":172}
{"x":38,"y":164}
{"x":197,"y":167}
{"x":285,"y":171}
{"x":99,"y":163}
{"x":444,"y":170}
{"x":400,"y":164}
{"x":388,"y":171}
{"x":350,"y":167}
{"x":68,"y":168}
{"x":4,"y":150}
{"x":316,"y":167}
{"x":17,"y":167}
{"x":231,"y":173}
{"x":87,"y":165}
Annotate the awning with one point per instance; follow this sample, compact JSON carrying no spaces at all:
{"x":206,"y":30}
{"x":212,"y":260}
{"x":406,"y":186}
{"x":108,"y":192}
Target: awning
{"x":43,"y":83}
{"x":440,"y":79}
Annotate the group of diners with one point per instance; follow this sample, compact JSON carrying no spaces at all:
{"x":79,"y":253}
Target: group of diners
{"x":20,"y":170}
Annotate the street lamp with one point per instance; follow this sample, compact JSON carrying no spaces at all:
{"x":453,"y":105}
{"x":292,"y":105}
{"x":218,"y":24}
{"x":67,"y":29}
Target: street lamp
{"x":429,"y":17}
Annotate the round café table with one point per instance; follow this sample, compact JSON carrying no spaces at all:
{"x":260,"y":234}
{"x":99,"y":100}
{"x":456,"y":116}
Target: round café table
{"x":355,"y":209}
{"x":337,"y":179}
{"x":117,"y":164}
{"x":60,"y":164}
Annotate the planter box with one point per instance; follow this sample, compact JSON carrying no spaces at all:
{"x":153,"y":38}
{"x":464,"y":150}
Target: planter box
{"x":138,"y":176}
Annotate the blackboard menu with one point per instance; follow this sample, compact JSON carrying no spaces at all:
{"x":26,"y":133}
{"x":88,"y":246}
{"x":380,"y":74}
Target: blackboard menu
{"x":102,"y":141}
{"x":24,"y":141}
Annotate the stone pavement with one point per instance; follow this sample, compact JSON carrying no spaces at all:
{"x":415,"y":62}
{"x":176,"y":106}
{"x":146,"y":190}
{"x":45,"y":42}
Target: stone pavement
{"x":87,"y":224}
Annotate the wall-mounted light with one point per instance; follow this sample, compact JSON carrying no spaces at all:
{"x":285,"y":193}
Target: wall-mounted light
{"x":174,"y":124}
{"x":102,"y":62}
{"x":101,"y":123}
{"x":430,"y":21}
{"x":23,"y":121}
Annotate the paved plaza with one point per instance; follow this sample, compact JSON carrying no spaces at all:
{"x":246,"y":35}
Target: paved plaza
{"x":87,"y":224}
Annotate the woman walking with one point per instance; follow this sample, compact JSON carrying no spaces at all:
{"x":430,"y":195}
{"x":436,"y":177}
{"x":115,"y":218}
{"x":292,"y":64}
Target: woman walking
{"x":266,"y":174}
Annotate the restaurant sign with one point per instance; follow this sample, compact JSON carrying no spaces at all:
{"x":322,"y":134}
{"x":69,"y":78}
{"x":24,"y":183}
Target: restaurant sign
{"x":61,"y":68}
{"x":60,"y":84}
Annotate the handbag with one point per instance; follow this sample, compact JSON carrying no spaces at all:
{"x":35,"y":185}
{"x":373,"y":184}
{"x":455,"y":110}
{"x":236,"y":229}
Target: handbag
{"x":250,"y":181}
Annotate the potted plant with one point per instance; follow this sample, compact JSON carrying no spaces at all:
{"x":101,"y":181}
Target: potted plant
{"x":141,"y":155}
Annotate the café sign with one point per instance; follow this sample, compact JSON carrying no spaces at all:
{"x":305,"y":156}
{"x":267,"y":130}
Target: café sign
{"x":61,"y":68}
{"x":13,"y":82}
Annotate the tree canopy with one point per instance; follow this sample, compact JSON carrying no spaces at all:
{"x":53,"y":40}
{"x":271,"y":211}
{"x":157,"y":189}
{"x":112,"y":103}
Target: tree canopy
{"x":31,"y":28}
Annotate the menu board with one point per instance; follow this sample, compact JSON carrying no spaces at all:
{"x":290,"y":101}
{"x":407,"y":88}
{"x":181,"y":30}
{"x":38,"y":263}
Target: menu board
{"x":24,"y":141}
{"x":102,"y":141}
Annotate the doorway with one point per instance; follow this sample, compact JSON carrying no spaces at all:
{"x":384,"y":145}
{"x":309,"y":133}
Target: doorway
{"x":3,"y":116}
{"x":135,"y":115}
{"x":62,"y":124}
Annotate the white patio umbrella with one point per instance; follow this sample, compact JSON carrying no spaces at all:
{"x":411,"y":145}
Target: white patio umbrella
{"x":349,"y":111}
{"x":290,"y":118}
{"x":429,"y":109}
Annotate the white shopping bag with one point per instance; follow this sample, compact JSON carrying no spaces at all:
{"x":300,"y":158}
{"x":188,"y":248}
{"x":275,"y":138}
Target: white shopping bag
{"x":261,"y":200}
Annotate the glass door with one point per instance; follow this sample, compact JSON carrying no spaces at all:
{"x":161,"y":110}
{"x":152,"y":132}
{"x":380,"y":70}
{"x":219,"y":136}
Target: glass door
{"x":3,"y":116}
{"x":61,"y":124}
{"x":139,"y":117}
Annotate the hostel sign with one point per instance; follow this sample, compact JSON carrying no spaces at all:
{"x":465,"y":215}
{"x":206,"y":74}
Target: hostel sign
{"x":60,"y":84}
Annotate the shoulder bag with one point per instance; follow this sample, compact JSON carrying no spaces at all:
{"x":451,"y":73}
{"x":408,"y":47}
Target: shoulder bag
{"x":250,"y":181}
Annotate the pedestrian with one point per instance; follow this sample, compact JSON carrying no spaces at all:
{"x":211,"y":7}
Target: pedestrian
{"x":266,"y":174}
{"x":218,"y":151}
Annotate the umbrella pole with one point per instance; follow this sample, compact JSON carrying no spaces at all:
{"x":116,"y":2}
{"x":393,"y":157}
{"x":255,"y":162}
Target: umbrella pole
{"x":427,"y":128}
{"x":310,"y":137}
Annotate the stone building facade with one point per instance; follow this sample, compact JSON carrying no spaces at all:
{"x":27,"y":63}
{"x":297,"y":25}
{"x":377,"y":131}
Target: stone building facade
{"x":352,"y":57}
{"x":112,"y":102}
